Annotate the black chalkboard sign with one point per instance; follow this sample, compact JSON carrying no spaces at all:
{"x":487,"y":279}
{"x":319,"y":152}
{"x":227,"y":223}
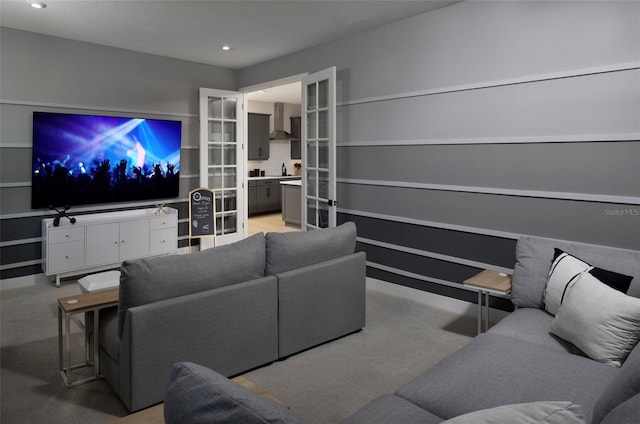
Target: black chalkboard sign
{"x":201,"y":212}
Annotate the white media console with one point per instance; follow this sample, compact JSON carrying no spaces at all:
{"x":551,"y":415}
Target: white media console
{"x":103,"y":240}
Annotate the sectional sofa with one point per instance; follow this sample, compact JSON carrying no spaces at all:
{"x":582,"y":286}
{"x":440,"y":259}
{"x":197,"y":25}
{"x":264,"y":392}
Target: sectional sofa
{"x":568,"y":354}
{"x":231,"y":308}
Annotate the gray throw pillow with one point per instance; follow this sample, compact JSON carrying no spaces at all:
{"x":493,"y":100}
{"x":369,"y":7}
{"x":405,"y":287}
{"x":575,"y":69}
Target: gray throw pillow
{"x":531,"y":272}
{"x":150,"y":280}
{"x":601,"y":321}
{"x":199,"y":395}
{"x":525,"y":413}
{"x":287,"y":251}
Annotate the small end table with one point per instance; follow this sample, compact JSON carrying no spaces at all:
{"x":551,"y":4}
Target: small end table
{"x":90,"y":303}
{"x":486,"y":283}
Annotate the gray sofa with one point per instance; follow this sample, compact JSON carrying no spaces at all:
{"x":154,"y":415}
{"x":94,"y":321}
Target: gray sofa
{"x":517,"y":372}
{"x":231,"y":308}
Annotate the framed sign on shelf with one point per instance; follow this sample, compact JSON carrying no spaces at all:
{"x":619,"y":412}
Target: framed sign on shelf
{"x":202,"y":212}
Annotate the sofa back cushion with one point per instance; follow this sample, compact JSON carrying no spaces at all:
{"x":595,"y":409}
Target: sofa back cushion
{"x":287,"y":251}
{"x":533,"y":262}
{"x":150,"y":280}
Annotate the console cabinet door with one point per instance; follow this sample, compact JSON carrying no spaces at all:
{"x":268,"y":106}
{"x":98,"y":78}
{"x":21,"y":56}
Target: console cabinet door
{"x":113,"y":242}
{"x":66,"y":257}
{"x":102,"y":244}
{"x":134,"y":239}
{"x":162,"y":234}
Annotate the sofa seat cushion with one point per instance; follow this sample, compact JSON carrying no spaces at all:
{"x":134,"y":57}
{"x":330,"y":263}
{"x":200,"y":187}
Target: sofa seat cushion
{"x":150,"y":280}
{"x":196,"y":394}
{"x":533,"y":325}
{"x":287,"y":251}
{"x":494,"y":370}
{"x":388,"y":409}
{"x":533,"y":262}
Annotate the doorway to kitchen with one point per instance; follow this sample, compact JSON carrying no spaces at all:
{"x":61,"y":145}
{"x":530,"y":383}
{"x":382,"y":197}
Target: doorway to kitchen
{"x":307,"y":141}
{"x":274,"y":157}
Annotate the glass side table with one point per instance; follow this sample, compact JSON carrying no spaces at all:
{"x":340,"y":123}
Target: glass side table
{"x":486,"y":283}
{"x":89,"y":303}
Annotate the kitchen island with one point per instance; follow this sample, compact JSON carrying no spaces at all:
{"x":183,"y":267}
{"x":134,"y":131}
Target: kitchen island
{"x":291,"y":201}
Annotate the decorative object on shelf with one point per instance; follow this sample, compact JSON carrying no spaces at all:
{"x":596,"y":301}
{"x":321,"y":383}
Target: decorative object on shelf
{"x":298,"y":167}
{"x":62,"y":214}
{"x":160,"y":210}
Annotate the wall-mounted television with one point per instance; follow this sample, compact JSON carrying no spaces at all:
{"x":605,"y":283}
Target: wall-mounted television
{"x":90,"y":159}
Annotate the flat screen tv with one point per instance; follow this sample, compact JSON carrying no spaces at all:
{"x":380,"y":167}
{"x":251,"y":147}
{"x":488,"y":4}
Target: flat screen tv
{"x":89,"y":159}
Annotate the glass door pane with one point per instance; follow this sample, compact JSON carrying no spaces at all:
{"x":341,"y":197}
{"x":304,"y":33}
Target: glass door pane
{"x":318,"y":183}
{"x":221,"y":119}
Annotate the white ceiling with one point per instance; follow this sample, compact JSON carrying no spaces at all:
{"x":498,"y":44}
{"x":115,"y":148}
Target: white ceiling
{"x":196,"y":30}
{"x":287,"y":93}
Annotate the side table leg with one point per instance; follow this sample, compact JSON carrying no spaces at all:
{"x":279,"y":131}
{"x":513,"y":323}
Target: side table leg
{"x":479,"y":311}
{"x":60,"y":335}
{"x":96,"y":353}
{"x":67,"y":325}
{"x":487,"y":308}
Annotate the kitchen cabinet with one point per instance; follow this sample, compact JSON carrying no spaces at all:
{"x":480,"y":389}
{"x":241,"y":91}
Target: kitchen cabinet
{"x":265,"y":194}
{"x":296,"y":150}
{"x":258,"y":142}
{"x":253,"y":197}
{"x":268,"y":195}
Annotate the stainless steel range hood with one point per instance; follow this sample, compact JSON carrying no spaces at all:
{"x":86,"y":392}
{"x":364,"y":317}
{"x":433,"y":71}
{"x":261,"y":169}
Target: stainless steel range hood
{"x":278,"y":132}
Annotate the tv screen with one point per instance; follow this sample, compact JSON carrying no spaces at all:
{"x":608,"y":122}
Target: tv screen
{"x":88,"y":159}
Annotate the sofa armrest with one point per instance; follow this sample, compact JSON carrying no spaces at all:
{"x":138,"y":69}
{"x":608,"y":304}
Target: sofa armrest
{"x":229,"y":329}
{"x":321,"y":302}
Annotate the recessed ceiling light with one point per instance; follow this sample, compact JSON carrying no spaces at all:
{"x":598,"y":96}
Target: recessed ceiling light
{"x":226,"y":48}
{"x":37,"y":4}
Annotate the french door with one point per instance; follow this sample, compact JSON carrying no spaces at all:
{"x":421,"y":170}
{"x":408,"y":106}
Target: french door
{"x":319,"y":150}
{"x":222,"y":161}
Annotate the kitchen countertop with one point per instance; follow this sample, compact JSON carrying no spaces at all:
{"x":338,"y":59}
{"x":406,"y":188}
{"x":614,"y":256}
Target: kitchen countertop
{"x":292,"y":183}
{"x":272,"y":177}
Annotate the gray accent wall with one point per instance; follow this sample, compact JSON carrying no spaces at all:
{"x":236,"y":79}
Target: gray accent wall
{"x":41,"y":73}
{"x":464,"y":128}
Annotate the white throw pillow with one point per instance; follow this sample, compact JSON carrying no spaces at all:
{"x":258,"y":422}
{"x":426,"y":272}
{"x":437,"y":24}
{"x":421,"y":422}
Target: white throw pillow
{"x":603,"y":322}
{"x":564,"y":271}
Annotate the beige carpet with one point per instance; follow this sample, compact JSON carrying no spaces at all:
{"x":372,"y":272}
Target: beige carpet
{"x":325,"y":384}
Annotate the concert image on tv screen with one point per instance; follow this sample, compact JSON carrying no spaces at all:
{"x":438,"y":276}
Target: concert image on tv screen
{"x":88,"y":159}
